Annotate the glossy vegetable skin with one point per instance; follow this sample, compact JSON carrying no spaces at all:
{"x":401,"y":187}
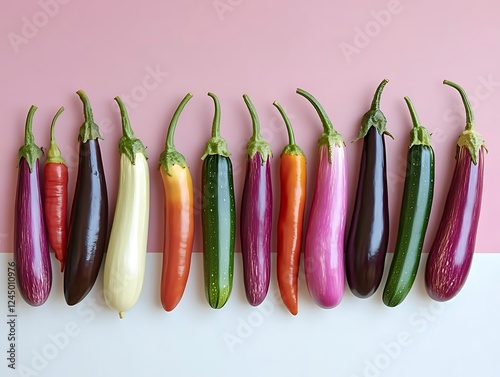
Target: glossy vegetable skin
{"x":324,"y":247}
{"x":31,"y":249}
{"x":256,"y":214}
{"x":415,"y":212}
{"x":126,"y":253}
{"x":179,"y":218}
{"x":218,"y":216}
{"x":291,"y":216}
{"x":451,"y":254}
{"x":55,"y":206}
{"x":89,"y":214}
{"x":366,"y":245}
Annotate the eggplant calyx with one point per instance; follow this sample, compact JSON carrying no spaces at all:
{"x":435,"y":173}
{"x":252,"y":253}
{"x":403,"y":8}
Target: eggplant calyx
{"x":128,"y":143}
{"x":29,"y":151}
{"x":89,"y":130}
{"x":170,"y":158}
{"x":419,"y":135}
{"x":292,"y":148}
{"x":54,"y":153}
{"x":217,"y":144}
{"x":256,"y":142}
{"x":473,"y":141}
{"x":374,"y":117}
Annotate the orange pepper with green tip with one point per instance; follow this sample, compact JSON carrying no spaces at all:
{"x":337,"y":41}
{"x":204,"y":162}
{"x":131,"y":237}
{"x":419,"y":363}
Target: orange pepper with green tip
{"x":179,"y":218}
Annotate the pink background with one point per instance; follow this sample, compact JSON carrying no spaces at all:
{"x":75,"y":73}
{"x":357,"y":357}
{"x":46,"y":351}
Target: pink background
{"x":265,"y":49}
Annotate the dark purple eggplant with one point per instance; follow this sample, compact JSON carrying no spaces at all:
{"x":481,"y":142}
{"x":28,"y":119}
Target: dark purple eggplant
{"x":256,"y":214}
{"x":31,"y":248}
{"x":450,"y":256}
{"x":368,"y":237}
{"x":89,"y":214}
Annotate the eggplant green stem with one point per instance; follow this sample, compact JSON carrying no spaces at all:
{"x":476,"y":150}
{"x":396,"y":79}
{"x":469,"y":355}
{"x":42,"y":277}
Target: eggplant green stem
{"x":170,"y":156}
{"x":29,"y":151}
{"x":330,"y":137}
{"x":256,"y":144}
{"x":216,"y":145}
{"x":54,"y":153}
{"x":128,"y":143}
{"x":470,"y":138}
{"x":291,"y":148}
{"x":89,"y":130}
{"x":374,"y":117}
{"x":418,"y":134}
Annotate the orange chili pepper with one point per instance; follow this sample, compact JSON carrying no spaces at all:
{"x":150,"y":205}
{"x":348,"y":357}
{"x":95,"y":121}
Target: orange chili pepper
{"x":56,"y":196}
{"x":293,"y":197}
{"x":179,"y":218}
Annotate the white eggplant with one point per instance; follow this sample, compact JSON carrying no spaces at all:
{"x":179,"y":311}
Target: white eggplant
{"x":126,"y":255}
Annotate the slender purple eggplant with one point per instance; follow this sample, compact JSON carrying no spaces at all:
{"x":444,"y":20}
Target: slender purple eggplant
{"x":31,"y":248}
{"x":89,"y":214}
{"x":450,"y":256}
{"x":256,"y":214}
{"x":368,"y":237}
{"x":324,"y":247}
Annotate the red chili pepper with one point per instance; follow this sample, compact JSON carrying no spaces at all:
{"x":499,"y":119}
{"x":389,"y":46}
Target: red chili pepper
{"x":56,"y":196}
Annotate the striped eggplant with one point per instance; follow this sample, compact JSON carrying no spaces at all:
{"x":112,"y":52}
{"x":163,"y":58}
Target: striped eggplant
{"x":256,"y":214}
{"x":31,"y":248}
{"x":324,"y":246}
{"x":450,"y":256}
{"x":366,"y":245}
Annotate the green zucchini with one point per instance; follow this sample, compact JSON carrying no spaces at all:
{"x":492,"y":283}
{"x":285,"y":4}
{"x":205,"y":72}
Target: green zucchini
{"x":414,"y":217}
{"x":218,"y":217}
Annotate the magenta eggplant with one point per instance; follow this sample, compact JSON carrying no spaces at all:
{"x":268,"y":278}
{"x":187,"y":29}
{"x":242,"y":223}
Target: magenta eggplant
{"x":324,"y":246}
{"x":31,"y":248}
{"x":452,"y":251}
{"x":256,"y":215}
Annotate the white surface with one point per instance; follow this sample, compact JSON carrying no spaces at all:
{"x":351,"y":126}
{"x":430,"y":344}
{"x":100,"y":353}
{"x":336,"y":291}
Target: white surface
{"x":358,"y":338}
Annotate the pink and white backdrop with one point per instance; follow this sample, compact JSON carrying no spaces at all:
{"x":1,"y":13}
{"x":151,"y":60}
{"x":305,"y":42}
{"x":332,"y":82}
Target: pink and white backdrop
{"x":153,"y":53}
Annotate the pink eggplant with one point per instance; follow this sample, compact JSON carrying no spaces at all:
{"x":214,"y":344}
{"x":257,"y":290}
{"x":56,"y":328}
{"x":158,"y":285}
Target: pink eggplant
{"x":31,"y":248}
{"x":324,"y":246}
{"x":450,"y":256}
{"x":256,"y":214}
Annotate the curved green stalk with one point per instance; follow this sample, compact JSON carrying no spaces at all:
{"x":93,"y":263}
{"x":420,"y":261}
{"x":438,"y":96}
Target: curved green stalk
{"x":216,"y":145}
{"x":30,"y":151}
{"x":470,"y":138}
{"x":419,"y":134}
{"x":170,"y":156}
{"x":256,"y":142}
{"x":291,"y":148}
{"x":54,"y":153}
{"x":128,"y":143}
{"x":374,"y":117}
{"x":330,"y":136}
{"x":89,"y":130}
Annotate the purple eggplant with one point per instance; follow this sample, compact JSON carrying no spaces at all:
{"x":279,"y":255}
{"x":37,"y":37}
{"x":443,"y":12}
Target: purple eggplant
{"x":366,"y":245}
{"x":31,"y":248}
{"x":256,"y":214}
{"x":324,"y":246}
{"x":450,"y":256}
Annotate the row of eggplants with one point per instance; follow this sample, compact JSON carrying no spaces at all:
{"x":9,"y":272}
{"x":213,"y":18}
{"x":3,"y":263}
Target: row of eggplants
{"x":81,"y":247}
